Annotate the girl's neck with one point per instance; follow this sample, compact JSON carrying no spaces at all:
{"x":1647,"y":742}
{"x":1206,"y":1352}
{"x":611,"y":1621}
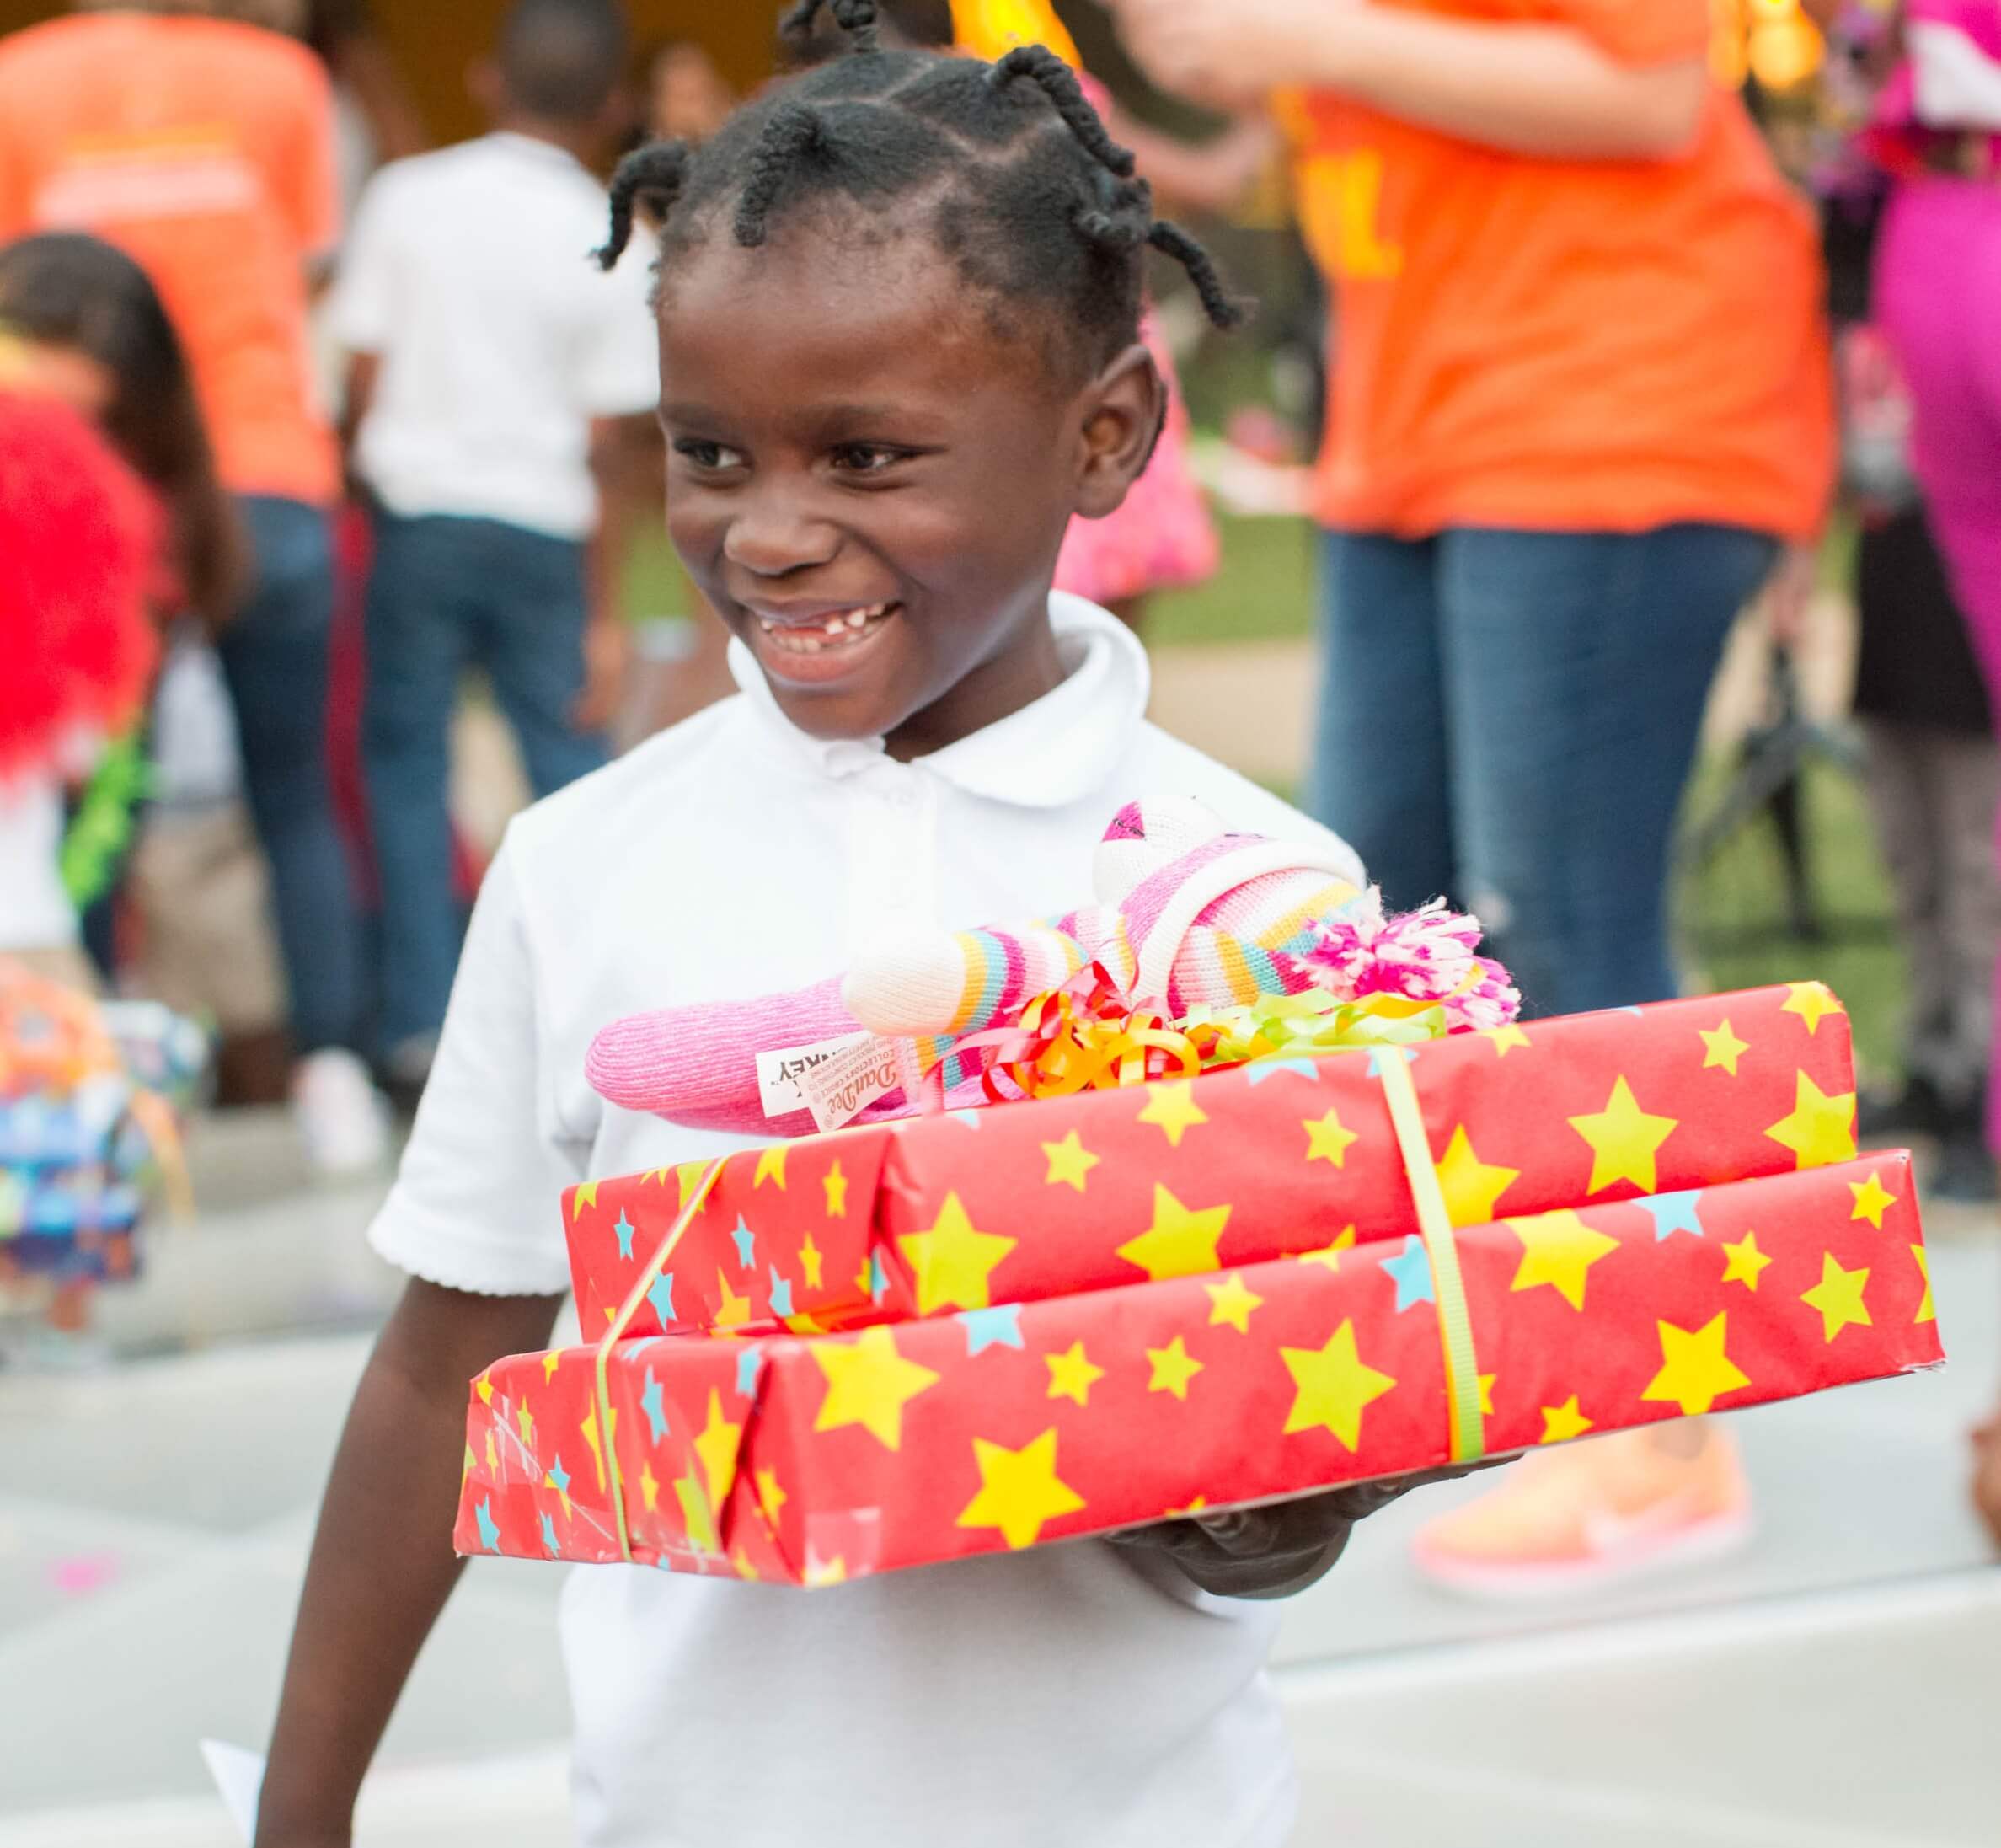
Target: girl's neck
{"x":1026,"y":667}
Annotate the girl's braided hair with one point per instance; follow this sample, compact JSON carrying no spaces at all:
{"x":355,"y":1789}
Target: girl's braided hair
{"x":1026,"y":191}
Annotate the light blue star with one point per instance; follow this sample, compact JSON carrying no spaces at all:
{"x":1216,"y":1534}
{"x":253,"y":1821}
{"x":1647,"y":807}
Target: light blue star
{"x":747,"y":1243}
{"x":1412,"y":1269}
{"x":624,"y":1228}
{"x":548,"y":1535}
{"x":781,"y":1292}
{"x":879,"y":1278}
{"x":662,"y":1296}
{"x":1673,"y":1212}
{"x":489,"y":1532}
{"x":1260,"y":1069}
{"x":971,"y":1118}
{"x":748,"y":1361}
{"x":1634,"y":1011}
{"x":558,"y":1478}
{"x":1379,"y":1055}
{"x":991,"y":1328}
{"x":654,"y":1407}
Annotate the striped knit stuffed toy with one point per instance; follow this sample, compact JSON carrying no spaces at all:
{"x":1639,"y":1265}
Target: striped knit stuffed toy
{"x":1190,"y":915}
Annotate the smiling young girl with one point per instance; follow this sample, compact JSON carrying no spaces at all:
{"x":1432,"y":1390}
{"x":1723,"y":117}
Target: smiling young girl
{"x":898,"y":318}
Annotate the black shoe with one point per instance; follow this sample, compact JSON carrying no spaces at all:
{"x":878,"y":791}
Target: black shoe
{"x":1966,"y":1169}
{"x":1915,"y":1109}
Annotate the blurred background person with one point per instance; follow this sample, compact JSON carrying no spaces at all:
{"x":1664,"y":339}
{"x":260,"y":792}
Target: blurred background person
{"x":1581,"y":399}
{"x":204,"y":146}
{"x":494,"y":372}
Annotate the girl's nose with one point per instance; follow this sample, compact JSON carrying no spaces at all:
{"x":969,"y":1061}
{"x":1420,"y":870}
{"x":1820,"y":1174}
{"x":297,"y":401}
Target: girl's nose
{"x":773,"y":535}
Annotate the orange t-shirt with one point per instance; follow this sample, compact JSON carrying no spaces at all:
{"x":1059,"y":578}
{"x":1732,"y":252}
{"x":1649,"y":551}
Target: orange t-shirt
{"x":1566,"y":346}
{"x":205,"y":149}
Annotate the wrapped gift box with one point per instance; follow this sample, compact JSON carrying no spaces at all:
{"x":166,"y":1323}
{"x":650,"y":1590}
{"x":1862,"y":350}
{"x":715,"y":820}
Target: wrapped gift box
{"x":810,"y":1458}
{"x":1015,"y":1204}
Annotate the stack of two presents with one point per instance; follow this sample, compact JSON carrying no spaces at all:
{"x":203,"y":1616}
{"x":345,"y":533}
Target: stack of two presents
{"x":954,"y":1334}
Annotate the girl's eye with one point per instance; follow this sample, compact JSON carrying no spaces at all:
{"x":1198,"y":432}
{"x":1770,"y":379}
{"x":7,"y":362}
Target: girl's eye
{"x":867,"y":458}
{"x":707,"y":455}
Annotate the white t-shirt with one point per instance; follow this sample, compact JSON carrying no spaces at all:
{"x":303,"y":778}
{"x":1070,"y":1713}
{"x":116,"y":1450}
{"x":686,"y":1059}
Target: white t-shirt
{"x":468,"y":271}
{"x":1073,"y":1696}
{"x":36,"y":911}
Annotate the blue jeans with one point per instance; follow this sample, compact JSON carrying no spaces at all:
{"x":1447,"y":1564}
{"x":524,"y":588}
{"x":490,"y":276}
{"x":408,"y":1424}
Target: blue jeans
{"x":274,"y":656}
{"x":1509,"y":718}
{"x":446,"y":594}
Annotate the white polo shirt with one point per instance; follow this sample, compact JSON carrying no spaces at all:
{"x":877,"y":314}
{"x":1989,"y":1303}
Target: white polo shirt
{"x":468,"y":273}
{"x":1073,"y":1696}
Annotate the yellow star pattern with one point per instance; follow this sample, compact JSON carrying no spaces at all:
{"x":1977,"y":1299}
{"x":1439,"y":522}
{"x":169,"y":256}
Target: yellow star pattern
{"x":1504,"y":1039}
{"x":733,"y":1311}
{"x":696,"y":1514}
{"x":1334,"y":1387}
{"x":1926,"y":1311}
{"x":526,"y":1419}
{"x":1872,"y":1199}
{"x":1231,"y":1303}
{"x":1329,"y":1256}
{"x":1019,"y":1490}
{"x":1181,"y":1241}
{"x":584,"y":1195}
{"x":1072,"y":1375}
{"x":827,"y":1572}
{"x":1813,"y":1002}
{"x":954,"y":1261}
{"x":1327,"y":1140}
{"x":1560,"y":1424}
{"x":550,"y":1361}
{"x":1695,"y":1369}
{"x":1173,"y":1110}
{"x":1473,"y":1188}
{"x":1743,"y":1261}
{"x":649,"y":1486}
{"x":771,"y":1165}
{"x":467,"y":1469}
{"x":868,"y":1383}
{"x":1486,"y":1382}
{"x":1069,"y":1162}
{"x":1623,"y":1140}
{"x":589,"y":1427}
{"x":770,"y":1496}
{"x":1822,"y":1128}
{"x":1721,"y":1049}
{"x":1174,"y":1366}
{"x":740,"y":1561}
{"x":688,"y":1177}
{"x":1557,"y":1249}
{"x":484,"y":1385}
{"x":810,"y":1257}
{"x":716,"y":1445}
{"x":1838,"y":1297}
{"x":836,"y":1184}
{"x":492,"y":1456}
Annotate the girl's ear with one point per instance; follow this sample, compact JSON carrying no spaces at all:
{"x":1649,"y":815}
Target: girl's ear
{"x":1124,"y":409}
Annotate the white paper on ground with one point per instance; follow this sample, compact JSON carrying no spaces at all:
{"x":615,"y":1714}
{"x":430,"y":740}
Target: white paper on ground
{"x":239,"y":1777}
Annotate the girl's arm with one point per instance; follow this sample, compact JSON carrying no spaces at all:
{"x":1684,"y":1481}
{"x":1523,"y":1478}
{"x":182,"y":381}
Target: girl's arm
{"x":1545,"y":91}
{"x":382,"y":1564}
{"x":1214,"y":176}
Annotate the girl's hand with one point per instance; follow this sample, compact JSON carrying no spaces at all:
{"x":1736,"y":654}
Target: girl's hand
{"x":1227,"y":53}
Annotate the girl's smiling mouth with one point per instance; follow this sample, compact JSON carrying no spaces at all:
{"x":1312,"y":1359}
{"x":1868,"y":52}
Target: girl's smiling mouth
{"x":814,"y":647}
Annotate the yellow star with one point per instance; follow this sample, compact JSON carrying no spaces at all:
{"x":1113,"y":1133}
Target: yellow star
{"x":1172,"y":1110}
{"x":836,"y":1184}
{"x":1560,"y":1424}
{"x":526,"y":1419}
{"x":1623,"y":1140}
{"x":688,"y":1177}
{"x":1174,"y":1366}
{"x":584,"y":1194}
{"x":1181,"y":1513}
{"x":1181,"y":1241}
{"x":827,"y":1572}
{"x":589,"y":1427}
{"x":1019,"y":1490}
{"x":1473,"y":1188}
{"x":484,"y":1385}
{"x":810,"y":1256}
{"x":1330,"y":1255}
{"x":468,"y":1469}
{"x":550,"y":1361}
{"x":696,"y":1514}
{"x":1872,"y":1199}
{"x":771,"y":1165}
{"x":770,"y":1496}
{"x":493,"y":1457}
{"x":954,"y":1261}
{"x":1745,"y":1261}
{"x":1072,"y":1375}
{"x":740,"y":1561}
{"x":1838,"y":1297}
{"x":1504,"y":1039}
{"x":733,"y":1311}
{"x":1069,"y":1162}
{"x":1232,"y":1305}
{"x":1813,"y":1002}
{"x":1486,"y":1382}
{"x":1721,"y":1049}
{"x":1334,"y":1386}
{"x":1326,"y":1140}
{"x":649,"y":1486}
{"x":1557,"y":1249}
{"x":868,"y":1383}
{"x":1926,"y":1312}
{"x":611,"y":1314}
{"x":1695,"y":1369}
{"x":1822,"y":1128}
{"x":716,"y":1446}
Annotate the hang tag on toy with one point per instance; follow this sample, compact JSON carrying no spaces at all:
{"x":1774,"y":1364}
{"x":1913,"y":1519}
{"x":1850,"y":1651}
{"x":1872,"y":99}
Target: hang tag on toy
{"x":839,"y":1088}
{"x":778,"y":1071}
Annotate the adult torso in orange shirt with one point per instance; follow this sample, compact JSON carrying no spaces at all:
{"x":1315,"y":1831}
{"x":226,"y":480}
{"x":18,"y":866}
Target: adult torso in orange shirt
{"x":1607,"y":346}
{"x":205,"y":149}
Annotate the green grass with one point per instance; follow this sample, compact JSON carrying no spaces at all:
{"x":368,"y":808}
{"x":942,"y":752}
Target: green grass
{"x":1264,"y":592}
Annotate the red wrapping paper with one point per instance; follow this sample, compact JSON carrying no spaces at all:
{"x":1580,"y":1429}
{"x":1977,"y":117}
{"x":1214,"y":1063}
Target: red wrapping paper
{"x":810,"y":1459}
{"x":1023,"y":1201}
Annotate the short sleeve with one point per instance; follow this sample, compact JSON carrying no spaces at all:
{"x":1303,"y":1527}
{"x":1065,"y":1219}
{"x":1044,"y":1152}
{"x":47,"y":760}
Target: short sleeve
{"x":619,"y":363}
{"x":307,"y":183}
{"x":1639,"y":32}
{"x":361,"y":312}
{"x":477,"y":1202}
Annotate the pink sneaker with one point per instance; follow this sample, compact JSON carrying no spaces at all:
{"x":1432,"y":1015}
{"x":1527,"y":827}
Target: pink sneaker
{"x":1575,"y":1519}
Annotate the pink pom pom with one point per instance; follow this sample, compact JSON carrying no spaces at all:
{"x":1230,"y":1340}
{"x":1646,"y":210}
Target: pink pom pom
{"x":1429,"y":955}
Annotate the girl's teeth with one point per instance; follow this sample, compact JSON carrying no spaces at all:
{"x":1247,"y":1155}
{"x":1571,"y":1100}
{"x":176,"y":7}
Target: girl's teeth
{"x":832,"y":630}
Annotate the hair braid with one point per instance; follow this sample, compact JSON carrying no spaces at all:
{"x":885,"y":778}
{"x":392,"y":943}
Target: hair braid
{"x":794,"y":132}
{"x":648,"y":179}
{"x":1222,"y":308}
{"x":856,"y":17}
{"x":1041,"y":67}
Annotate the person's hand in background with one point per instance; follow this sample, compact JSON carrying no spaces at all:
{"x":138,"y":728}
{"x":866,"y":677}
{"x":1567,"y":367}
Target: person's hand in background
{"x":1226,"y":53}
{"x":608,"y":662}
